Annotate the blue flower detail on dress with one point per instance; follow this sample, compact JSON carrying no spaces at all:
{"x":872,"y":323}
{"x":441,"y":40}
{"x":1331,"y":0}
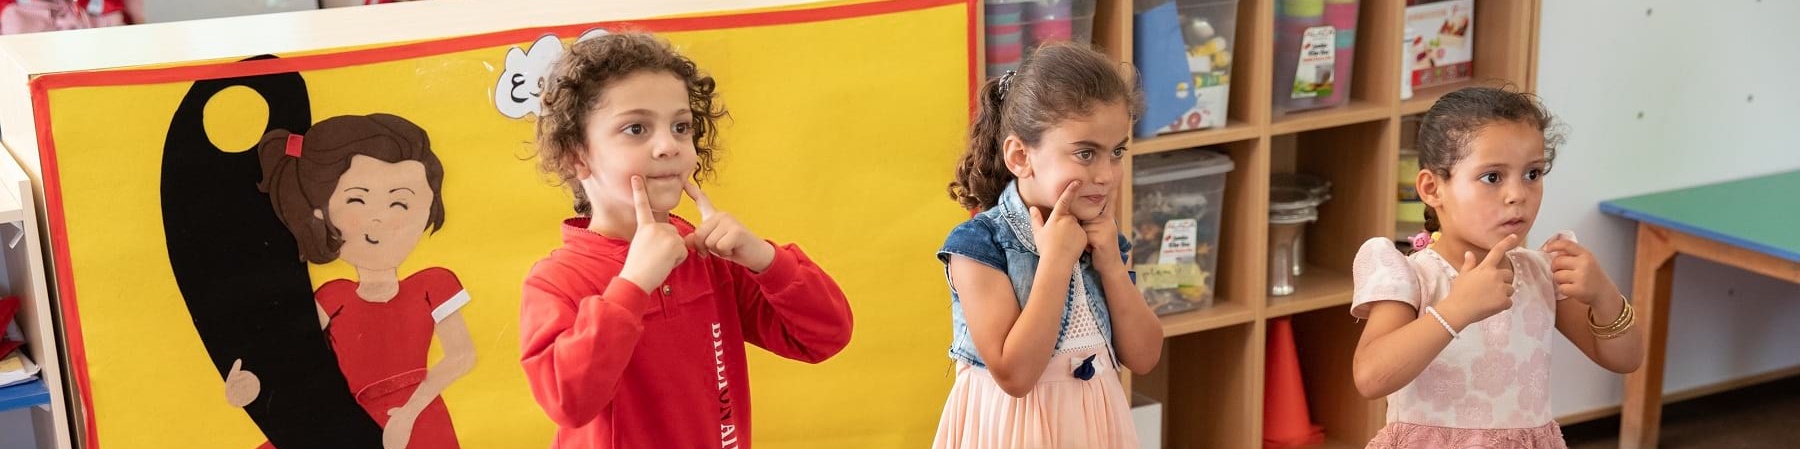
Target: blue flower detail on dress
{"x":1086,"y":370}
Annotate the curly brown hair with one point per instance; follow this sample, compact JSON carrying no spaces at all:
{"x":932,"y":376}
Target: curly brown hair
{"x":1057,"y":82}
{"x":582,"y":75}
{"x":1453,"y":121}
{"x":299,"y":184}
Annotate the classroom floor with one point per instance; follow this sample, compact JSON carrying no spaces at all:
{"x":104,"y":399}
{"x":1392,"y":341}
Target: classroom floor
{"x":1762,"y":416}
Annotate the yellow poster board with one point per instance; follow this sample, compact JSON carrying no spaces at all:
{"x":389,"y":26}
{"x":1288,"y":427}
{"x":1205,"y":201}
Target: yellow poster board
{"x":846,"y":120}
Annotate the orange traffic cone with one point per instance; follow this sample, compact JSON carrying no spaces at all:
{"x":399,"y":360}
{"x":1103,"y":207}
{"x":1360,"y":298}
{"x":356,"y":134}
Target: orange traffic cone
{"x":1286,"y":422}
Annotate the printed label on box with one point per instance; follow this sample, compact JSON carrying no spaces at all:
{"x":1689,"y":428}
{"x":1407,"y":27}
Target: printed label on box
{"x":1179,"y":240}
{"x":1443,"y":48}
{"x":1318,"y":53}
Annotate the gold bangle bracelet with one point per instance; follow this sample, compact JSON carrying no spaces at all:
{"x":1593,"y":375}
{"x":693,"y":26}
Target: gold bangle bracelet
{"x":1624,"y":312}
{"x":1627,"y":317}
{"x":1613,"y":335}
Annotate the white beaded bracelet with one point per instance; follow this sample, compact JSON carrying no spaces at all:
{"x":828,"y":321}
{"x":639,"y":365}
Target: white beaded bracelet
{"x":1441,"y":320}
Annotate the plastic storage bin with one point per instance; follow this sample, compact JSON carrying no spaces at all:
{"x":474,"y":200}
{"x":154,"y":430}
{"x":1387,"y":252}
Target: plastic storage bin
{"x":1209,"y":30}
{"x":1058,"y":20}
{"x":1014,"y":27}
{"x":1005,"y":40}
{"x":1177,"y":199}
{"x":1315,"y":48}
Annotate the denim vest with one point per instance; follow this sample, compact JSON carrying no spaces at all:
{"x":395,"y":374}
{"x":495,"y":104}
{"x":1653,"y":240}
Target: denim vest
{"x":1001,"y":238}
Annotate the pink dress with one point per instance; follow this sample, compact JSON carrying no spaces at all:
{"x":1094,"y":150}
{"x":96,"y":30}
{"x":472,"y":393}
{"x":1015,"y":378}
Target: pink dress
{"x":1061,"y":411}
{"x":1490,"y":388}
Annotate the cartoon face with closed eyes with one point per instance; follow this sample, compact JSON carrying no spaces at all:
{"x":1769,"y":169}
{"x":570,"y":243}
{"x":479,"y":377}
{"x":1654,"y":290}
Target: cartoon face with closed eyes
{"x":380,"y":211}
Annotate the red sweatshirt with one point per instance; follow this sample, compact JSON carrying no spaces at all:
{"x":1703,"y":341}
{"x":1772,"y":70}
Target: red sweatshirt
{"x":615,"y":367}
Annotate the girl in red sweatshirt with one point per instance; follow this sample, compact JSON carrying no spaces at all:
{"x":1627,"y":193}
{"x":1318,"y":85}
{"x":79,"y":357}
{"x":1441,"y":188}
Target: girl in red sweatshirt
{"x":633,"y":331}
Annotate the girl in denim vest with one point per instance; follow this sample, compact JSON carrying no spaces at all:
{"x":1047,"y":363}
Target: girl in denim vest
{"x":1043,"y":307}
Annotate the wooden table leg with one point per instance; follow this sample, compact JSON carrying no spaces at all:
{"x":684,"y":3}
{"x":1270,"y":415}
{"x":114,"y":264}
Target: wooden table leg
{"x":1654,"y":273}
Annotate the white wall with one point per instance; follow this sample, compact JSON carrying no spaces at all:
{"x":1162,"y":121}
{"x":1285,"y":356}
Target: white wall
{"x":157,"y":11}
{"x":1714,"y":82}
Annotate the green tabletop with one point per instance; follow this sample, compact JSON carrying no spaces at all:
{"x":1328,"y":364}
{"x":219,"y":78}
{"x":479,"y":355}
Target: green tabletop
{"x":1760,"y":214}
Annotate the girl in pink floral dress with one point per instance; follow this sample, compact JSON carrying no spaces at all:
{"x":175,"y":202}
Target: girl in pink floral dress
{"x":1458,"y":333}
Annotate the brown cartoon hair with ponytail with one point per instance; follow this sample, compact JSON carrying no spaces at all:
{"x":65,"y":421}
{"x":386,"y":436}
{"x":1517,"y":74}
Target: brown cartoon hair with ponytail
{"x":299,"y":174}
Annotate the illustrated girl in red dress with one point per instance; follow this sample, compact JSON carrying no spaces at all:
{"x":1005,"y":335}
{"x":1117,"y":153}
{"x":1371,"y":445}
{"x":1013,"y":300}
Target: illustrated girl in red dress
{"x":365,"y":190}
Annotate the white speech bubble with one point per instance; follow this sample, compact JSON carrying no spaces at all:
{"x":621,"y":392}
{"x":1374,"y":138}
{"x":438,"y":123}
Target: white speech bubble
{"x":520,"y":89}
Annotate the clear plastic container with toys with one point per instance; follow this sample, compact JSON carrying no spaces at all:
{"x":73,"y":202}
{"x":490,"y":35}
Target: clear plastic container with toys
{"x":1209,"y":31}
{"x":1177,"y":198}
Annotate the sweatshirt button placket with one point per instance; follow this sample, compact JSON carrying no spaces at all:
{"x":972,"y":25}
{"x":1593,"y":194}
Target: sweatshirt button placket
{"x":667,"y":312}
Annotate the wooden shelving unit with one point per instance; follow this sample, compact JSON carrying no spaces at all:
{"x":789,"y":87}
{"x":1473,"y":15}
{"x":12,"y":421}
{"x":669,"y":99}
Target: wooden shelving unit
{"x":1210,"y":381}
{"x":1234,"y":130}
{"x":1210,"y":318}
{"x":1356,"y":111}
{"x":1320,"y":288}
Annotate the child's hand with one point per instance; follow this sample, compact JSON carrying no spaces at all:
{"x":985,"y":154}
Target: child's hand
{"x":241,"y":387}
{"x":1484,"y":289}
{"x":1059,"y":235}
{"x":1103,"y":236}
{"x":1576,"y":273}
{"x":656,"y":248}
{"x":723,"y":235}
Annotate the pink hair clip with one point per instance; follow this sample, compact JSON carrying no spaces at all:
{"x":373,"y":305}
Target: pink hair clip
{"x":1423,"y":239}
